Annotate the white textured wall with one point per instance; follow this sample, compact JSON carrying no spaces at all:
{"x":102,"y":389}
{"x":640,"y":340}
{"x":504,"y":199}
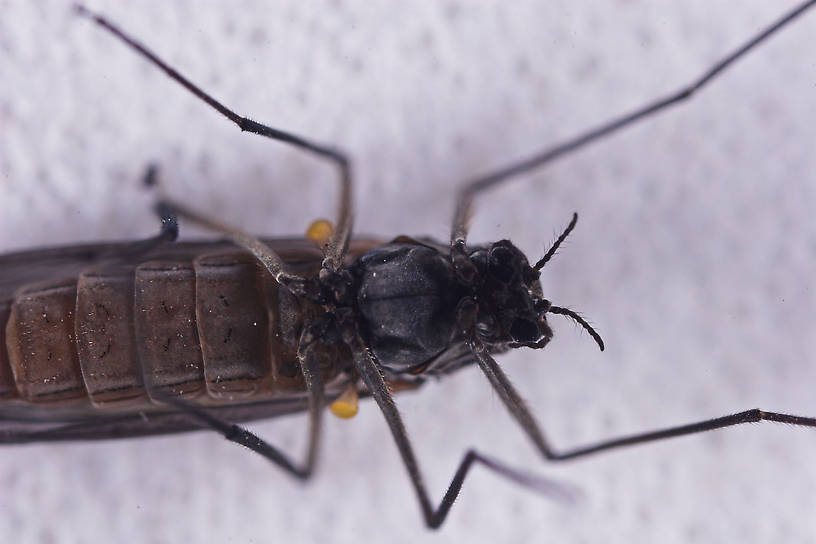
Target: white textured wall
{"x":694,"y":255}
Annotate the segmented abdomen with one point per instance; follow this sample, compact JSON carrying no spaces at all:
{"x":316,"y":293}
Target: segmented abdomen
{"x":201,"y":320}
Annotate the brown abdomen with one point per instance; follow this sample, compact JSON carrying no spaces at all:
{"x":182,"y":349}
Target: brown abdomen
{"x":202,"y":321}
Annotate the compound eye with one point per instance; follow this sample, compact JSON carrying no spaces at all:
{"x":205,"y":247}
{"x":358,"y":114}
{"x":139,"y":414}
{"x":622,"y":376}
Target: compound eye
{"x":524,"y":330}
{"x":501,"y":264}
{"x":501,"y":255}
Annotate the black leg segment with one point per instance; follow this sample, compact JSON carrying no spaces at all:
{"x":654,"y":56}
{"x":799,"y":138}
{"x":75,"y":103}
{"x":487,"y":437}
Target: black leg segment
{"x":476,"y":186}
{"x":310,"y":366}
{"x":340,"y":238}
{"x":748,"y":416}
{"x":371,"y":374}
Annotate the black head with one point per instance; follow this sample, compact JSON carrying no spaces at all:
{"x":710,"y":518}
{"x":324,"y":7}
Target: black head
{"x":507,"y":292}
{"x":510,"y":309}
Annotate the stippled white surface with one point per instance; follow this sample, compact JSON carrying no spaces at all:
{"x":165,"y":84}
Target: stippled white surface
{"x":694,"y":254}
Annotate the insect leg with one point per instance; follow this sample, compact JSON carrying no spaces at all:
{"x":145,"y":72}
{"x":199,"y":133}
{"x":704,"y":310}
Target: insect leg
{"x":472,"y":188}
{"x":168,"y":231}
{"x":169,"y":223}
{"x":519,"y":410}
{"x":748,"y":416}
{"x":262,"y":252}
{"x":512,"y":400}
{"x":371,"y":374}
{"x":340,"y":238}
{"x":310,"y":366}
{"x":167,"y":210}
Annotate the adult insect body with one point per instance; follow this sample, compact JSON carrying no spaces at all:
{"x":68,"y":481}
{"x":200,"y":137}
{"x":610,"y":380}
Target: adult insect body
{"x":496,"y":305}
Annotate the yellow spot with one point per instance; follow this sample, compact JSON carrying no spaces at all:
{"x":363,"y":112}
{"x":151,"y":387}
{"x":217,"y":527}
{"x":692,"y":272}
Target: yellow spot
{"x":320,"y":231}
{"x":345,"y":407}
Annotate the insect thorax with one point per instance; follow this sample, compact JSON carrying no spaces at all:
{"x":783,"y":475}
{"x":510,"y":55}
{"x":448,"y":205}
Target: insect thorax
{"x":413,"y":305}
